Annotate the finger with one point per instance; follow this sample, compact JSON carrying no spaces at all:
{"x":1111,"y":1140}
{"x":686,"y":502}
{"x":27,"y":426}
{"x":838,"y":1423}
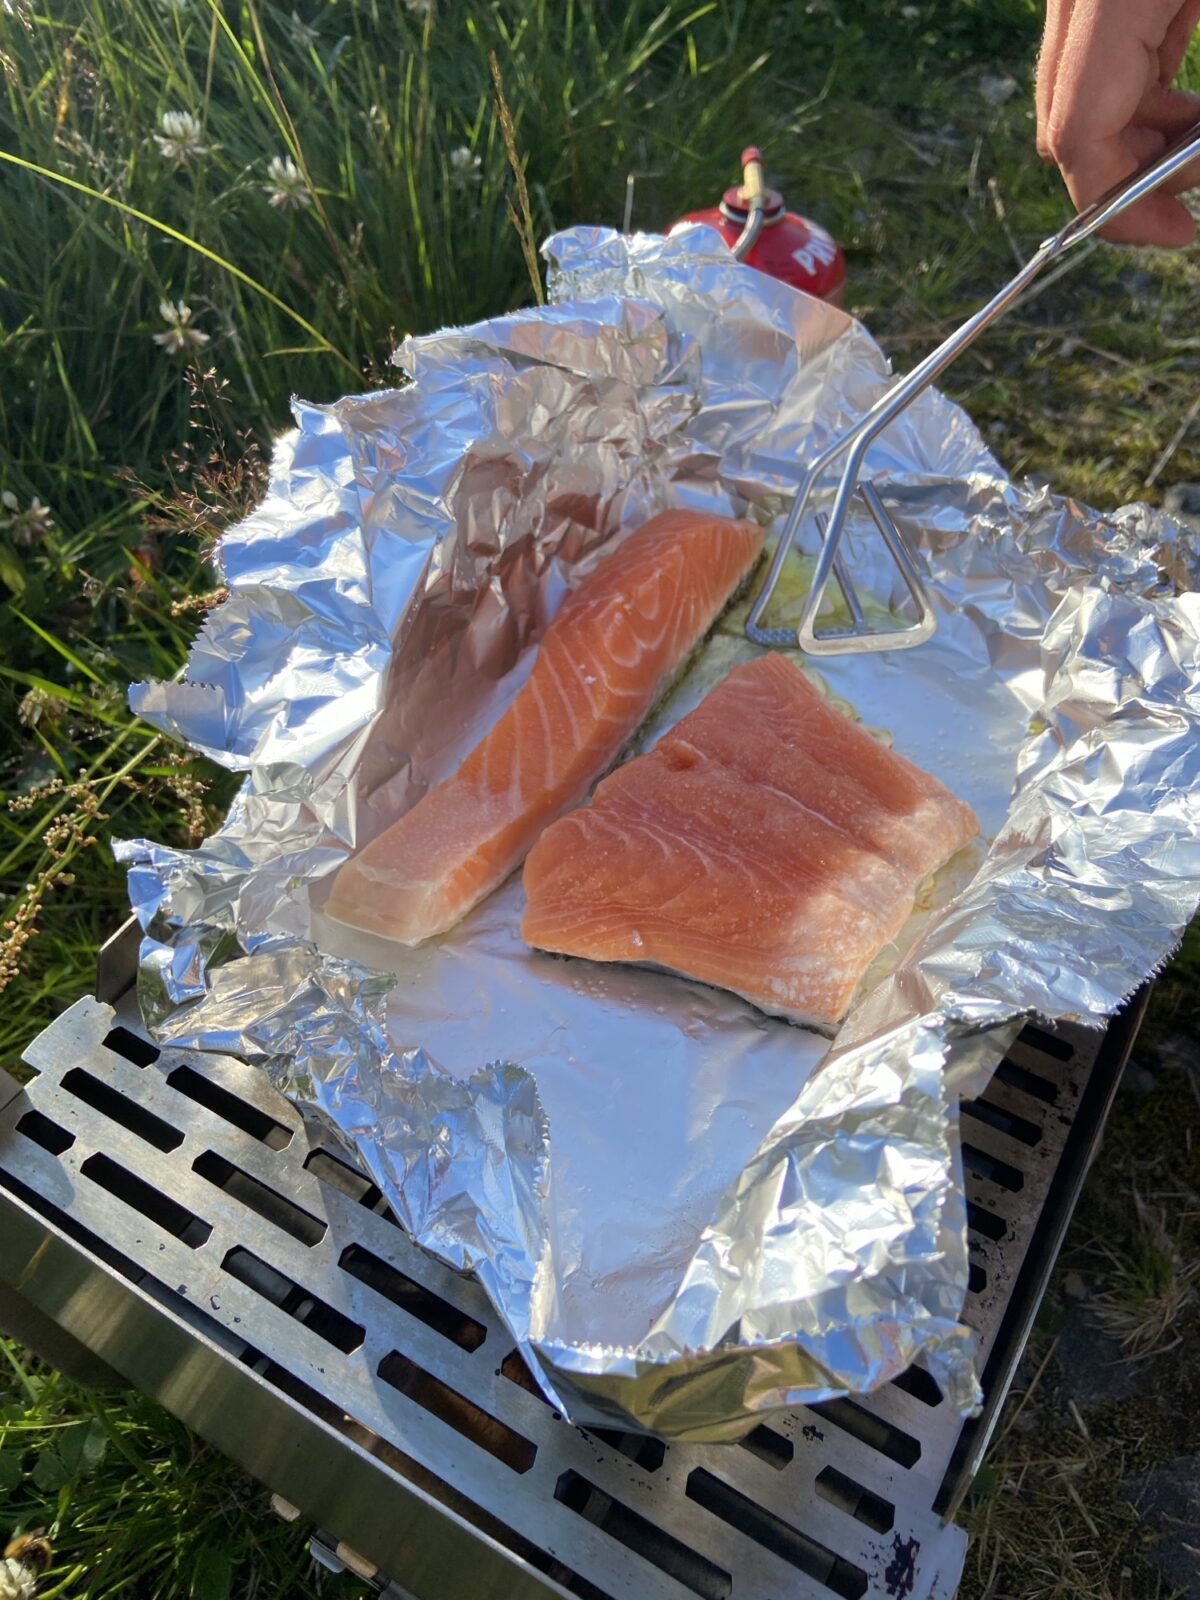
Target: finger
{"x":1164,"y":115}
{"x":1143,"y":143}
{"x":1173,"y":112}
{"x":1106,"y":64}
{"x":1109,"y":111}
{"x":1156,"y":220}
{"x":1179,"y":36}
{"x":1058,"y":18}
{"x":1183,"y":181}
{"x":1093,"y":127}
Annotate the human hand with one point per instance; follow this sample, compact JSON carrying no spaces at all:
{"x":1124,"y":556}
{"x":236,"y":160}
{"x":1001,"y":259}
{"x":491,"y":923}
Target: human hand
{"x":1105,"y":105}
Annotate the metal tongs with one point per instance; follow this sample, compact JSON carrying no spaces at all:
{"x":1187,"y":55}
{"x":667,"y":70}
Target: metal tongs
{"x":854,"y":443}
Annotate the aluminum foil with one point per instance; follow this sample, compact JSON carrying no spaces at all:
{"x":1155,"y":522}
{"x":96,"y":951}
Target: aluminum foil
{"x":686,"y":1212}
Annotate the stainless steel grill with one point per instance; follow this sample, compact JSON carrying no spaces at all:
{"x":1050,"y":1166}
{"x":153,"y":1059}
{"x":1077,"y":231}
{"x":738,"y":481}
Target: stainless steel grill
{"x":173,"y":1216}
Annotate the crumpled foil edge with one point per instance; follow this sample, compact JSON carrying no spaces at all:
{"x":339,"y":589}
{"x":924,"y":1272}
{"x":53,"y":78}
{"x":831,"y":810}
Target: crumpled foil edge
{"x":1100,"y":846}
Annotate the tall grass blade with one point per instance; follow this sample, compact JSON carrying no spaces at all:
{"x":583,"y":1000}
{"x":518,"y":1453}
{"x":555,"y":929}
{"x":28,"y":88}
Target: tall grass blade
{"x":524,"y":221}
{"x":184,"y":239}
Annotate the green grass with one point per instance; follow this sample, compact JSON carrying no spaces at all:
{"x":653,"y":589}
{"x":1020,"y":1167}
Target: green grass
{"x":879,"y":125}
{"x":133,"y":1504}
{"x":1055,"y":1510}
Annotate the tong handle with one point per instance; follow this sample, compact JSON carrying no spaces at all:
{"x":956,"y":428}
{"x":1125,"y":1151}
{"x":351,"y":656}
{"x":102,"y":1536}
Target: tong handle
{"x":855,"y":442}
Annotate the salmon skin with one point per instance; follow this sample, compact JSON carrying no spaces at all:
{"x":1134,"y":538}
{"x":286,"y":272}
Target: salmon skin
{"x":767,"y":844}
{"x":615,"y":642}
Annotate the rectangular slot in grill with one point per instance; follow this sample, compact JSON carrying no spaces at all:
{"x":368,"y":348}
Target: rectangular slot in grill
{"x":921,"y":1385}
{"x":514,"y":1369}
{"x":774,"y":1448}
{"x":238,"y":1113}
{"x":49,"y":1135}
{"x":305,"y":1307}
{"x":988,"y":1223}
{"x":640,"y":1448}
{"x":863,"y":1504}
{"x":412,"y":1297}
{"x":837,"y":1575}
{"x":1046,"y":1044}
{"x":1004,"y":1121}
{"x":871,"y":1430}
{"x":459,"y":1413}
{"x":133,"y":1048}
{"x":264,"y":1201}
{"x":159,"y":1208}
{"x":644,"y":1538}
{"x":340,"y":1175}
{"x":1030,"y":1083}
{"x":992,"y":1168}
{"x":118,"y":1107}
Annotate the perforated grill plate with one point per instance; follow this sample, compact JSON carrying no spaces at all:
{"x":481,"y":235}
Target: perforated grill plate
{"x":177,"y":1216}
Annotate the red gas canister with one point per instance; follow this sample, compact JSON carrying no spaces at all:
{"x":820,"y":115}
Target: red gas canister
{"x":752,"y":221}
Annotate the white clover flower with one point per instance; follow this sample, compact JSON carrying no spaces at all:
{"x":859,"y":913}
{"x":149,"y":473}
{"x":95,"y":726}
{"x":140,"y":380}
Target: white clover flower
{"x":304,"y":34}
{"x":420,"y":8}
{"x":910,"y":13}
{"x":24,"y":527}
{"x":464,"y":166}
{"x":286,"y":187}
{"x":176,"y":8}
{"x":179,"y":334}
{"x":17,"y":1581}
{"x":181,"y":136}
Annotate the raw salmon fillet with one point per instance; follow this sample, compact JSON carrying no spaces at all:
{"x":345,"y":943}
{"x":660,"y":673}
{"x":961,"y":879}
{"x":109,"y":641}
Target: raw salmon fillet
{"x":767,"y":844}
{"x":602,"y":663}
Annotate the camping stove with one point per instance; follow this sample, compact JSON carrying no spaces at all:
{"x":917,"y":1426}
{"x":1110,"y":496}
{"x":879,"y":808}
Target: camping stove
{"x":168,"y":1220}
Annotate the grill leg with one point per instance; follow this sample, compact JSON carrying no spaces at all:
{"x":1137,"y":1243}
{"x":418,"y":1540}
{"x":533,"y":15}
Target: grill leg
{"x":23,"y":1322}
